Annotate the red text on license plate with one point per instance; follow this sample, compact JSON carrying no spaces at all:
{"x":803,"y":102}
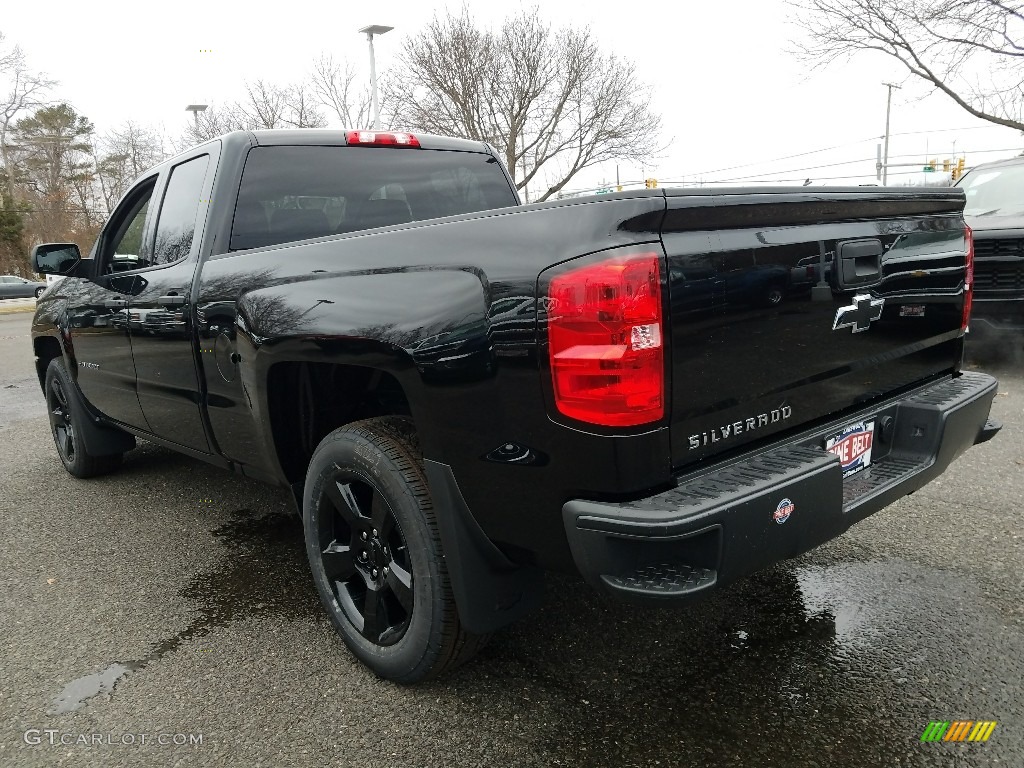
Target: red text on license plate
{"x":853,"y":446}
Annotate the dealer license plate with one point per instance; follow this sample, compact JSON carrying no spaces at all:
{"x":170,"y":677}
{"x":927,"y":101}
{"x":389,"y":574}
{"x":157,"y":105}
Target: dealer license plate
{"x":853,"y":446}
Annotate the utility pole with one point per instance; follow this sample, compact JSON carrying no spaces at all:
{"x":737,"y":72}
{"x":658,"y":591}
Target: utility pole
{"x":885,"y":154}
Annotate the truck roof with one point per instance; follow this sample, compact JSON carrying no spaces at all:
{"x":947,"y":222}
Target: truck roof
{"x":321,"y":137}
{"x":1018,"y":160}
{"x":336,"y":136}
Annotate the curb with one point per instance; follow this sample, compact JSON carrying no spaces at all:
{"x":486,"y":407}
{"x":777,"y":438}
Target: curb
{"x":22,"y":308}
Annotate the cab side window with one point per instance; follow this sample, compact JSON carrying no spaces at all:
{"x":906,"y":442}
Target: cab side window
{"x":123,"y":248}
{"x":176,"y":226}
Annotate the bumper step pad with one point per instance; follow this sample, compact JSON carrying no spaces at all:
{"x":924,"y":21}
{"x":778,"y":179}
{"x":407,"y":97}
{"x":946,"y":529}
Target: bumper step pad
{"x":665,"y":579}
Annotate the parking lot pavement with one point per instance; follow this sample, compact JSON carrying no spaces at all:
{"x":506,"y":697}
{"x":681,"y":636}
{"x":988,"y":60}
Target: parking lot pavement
{"x":178,"y":595}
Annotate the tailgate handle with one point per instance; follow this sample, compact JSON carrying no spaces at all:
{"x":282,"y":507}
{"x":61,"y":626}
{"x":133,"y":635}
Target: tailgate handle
{"x":860,"y":262}
{"x":172,"y":299}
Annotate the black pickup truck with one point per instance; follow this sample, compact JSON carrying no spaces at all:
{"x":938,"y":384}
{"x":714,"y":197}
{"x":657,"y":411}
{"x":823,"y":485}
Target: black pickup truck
{"x":995,"y":214}
{"x":463,"y":392}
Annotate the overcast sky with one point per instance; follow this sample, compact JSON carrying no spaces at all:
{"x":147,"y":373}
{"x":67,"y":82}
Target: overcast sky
{"x":724,"y":79}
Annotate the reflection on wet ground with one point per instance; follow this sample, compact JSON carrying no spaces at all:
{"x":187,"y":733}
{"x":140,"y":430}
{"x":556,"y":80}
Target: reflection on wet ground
{"x":809,"y":663}
{"x":841,"y":664}
{"x":265,"y":560}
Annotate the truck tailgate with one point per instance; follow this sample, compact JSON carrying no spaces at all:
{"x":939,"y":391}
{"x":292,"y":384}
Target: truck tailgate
{"x":792,"y":306}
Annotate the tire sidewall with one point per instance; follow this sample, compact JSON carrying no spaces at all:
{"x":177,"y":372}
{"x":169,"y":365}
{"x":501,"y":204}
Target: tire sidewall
{"x":57,"y":370}
{"x":414,"y":652}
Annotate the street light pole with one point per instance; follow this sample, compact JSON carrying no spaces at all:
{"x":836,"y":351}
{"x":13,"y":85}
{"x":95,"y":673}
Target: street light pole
{"x":885,"y":155}
{"x":370,"y":31}
{"x":195,"y":109}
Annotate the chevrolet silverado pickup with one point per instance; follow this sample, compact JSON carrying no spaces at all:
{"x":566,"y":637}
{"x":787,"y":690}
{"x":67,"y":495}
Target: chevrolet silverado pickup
{"x":462,"y":392}
{"x":995,"y":213}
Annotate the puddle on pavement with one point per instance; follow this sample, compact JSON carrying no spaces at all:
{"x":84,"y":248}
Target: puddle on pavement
{"x":263,"y":574}
{"x":801,"y":665}
{"x":78,"y":691}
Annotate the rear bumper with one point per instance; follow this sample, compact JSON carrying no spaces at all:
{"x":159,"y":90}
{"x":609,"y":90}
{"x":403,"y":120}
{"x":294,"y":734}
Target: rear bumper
{"x":991,"y":317}
{"x":721,"y":524}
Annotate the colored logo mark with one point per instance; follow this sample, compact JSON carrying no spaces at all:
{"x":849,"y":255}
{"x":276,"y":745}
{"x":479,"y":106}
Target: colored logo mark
{"x":783,"y":511}
{"x":959,"y":730}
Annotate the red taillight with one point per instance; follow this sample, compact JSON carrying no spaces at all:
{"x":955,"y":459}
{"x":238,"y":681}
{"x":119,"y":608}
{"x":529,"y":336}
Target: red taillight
{"x":968,"y":278}
{"x":378,"y":139}
{"x":605,"y":335}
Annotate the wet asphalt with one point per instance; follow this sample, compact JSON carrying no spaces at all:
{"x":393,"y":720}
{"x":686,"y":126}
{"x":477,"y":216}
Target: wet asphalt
{"x":173,"y":599}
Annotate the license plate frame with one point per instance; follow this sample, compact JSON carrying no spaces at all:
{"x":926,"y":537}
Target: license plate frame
{"x":853,"y":445}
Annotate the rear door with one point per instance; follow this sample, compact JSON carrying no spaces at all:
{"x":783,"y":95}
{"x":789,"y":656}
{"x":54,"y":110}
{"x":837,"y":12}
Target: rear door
{"x":162,"y":322}
{"x":779,"y":352}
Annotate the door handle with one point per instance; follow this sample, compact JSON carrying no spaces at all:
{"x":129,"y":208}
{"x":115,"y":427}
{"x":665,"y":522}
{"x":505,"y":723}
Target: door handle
{"x":118,"y":303}
{"x":171,"y":300}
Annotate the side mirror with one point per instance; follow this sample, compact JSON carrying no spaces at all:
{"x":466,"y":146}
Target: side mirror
{"x":56,"y":258}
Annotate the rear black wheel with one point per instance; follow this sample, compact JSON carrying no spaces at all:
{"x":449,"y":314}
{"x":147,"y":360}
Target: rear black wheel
{"x":66,"y":425}
{"x":376,"y":555}
{"x":39,"y":292}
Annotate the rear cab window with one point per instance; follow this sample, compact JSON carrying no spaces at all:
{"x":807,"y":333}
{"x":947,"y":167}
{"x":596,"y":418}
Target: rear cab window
{"x":290,"y":193}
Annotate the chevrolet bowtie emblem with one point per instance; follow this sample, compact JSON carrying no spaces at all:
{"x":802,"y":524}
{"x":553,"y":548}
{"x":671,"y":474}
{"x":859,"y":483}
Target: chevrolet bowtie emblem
{"x":859,"y":315}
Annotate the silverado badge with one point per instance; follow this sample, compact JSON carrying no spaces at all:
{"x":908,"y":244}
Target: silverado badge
{"x":859,"y":315}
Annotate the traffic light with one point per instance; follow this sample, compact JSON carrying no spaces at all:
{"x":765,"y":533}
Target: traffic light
{"x":650,"y":183}
{"x":945,"y":165}
{"x":958,"y":169}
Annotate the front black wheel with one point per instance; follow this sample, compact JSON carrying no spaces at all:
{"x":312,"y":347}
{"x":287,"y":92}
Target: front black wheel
{"x":375,"y":552}
{"x":39,"y":292}
{"x":66,"y":418}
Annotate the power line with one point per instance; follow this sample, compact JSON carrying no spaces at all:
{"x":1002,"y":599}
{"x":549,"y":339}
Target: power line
{"x":845,"y":162}
{"x":795,"y":170}
{"x":842,"y":146}
{"x":779,"y":159}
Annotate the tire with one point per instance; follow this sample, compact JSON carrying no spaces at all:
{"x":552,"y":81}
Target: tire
{"x":40,"y":292}
{"x":375,"y":552}
{"x":66,"y":419}
{"x":773,"y":297}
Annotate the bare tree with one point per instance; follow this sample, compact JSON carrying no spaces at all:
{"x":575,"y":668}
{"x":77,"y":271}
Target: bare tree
{"x":970,"y":50}
{"x":333,"y":85}
{"x":215,"y":121}
{"x":265,"y":105}
{"x":122,"y":155}
{"x":550,"y":101}
{"x":21,"y":90}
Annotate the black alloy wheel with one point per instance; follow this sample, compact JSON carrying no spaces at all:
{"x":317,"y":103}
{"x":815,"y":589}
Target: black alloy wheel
{"x":365,"y":557}
{"x":39,"y":292}
{"x":60,"y":421}
{"x":376,"y":555}
{"x":66,"y":424}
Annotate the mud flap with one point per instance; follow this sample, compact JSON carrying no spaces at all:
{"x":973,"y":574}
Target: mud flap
{"x":490,"y":590}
